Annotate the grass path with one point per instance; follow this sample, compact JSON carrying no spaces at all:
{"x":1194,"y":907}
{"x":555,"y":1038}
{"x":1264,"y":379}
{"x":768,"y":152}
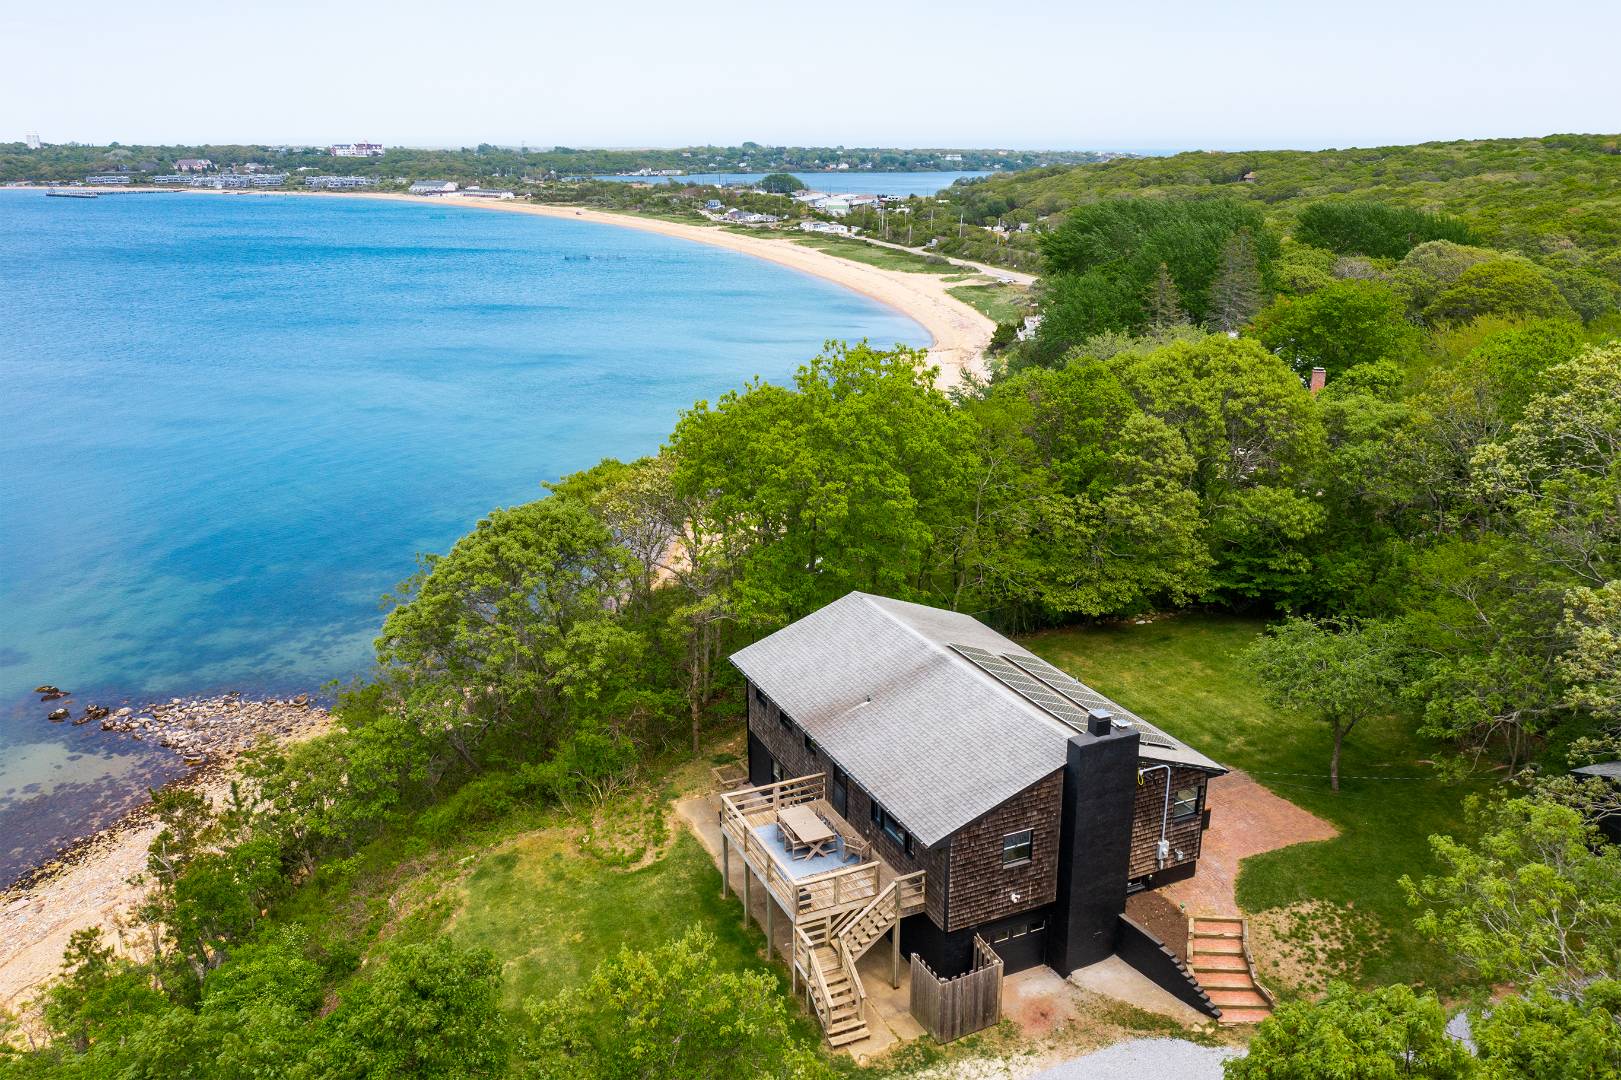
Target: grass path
{"x":1185,"y":674}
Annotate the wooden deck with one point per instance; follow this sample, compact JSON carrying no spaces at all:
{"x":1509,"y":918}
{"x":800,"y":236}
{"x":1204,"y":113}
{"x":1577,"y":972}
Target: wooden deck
{"x":837,"y":915}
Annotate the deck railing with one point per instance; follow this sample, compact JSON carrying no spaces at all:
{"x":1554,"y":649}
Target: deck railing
{"x":805,"y":897}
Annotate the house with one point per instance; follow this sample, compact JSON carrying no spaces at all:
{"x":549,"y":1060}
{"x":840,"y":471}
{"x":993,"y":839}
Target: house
{"x":432,"y":187}
{"x":1248,"y":177}
{"x":749,"y":217}
{"x":714,"y":205}
{"x":997,"y":805}
{"x":826,"y":228}
{"x":107,"y":179}
{"x":192,"y":164}
{"x":485,"y":193}
{"x":358,"y":149}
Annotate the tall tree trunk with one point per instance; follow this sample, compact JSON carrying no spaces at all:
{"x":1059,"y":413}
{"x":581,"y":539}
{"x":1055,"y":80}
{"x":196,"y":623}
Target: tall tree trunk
{"x":1334,"y":764}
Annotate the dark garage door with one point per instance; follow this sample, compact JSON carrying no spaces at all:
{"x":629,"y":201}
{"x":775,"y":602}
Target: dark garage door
{"x":1020,"y":944}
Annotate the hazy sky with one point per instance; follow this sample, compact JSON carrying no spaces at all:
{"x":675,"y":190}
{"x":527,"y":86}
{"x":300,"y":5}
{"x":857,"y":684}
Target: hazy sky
{"x":1128,"y":74}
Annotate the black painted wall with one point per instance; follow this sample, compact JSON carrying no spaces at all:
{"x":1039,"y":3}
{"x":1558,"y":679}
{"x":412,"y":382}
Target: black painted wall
{"x":1100,"y":789}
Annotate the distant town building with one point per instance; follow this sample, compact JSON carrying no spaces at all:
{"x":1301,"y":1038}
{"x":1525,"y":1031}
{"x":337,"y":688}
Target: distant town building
{"x":955,"y":157}
{"x":714,"y":204}
{"x":1248,"y":177}
{"x":356,"y":149}
{"x":193,"y":164}
{"x":237,"y":183}
{"x":172,"y":178}
{"x":333,"y":183}
{"x":748,"y":217}
{"x":827,"y":228}
{"x":432,"y":187}
{"x":485,"y":193}
{"x":107,"y":179}
{"x":33,"y":140}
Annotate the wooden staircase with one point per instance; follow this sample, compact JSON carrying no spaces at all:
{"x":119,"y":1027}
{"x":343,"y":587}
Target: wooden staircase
{"x":826,"y":953}
{"x":1219,"y":957}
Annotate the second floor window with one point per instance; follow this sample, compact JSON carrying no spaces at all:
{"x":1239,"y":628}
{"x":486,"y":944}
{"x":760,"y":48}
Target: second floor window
{"x":1185,"y":801}
{"x":891,"y":828}
{"x":1017,"y":847}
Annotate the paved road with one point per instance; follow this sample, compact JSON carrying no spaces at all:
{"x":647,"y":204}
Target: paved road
{"x":1145,"y":1059}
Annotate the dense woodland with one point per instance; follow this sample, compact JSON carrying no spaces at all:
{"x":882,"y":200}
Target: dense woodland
{"x":72,"y":161}
{"x":1436,"y":534}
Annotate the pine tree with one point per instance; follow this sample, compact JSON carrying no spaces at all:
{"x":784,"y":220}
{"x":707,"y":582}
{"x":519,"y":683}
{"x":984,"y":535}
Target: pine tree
{"x":1235,"y":295}
{"x":1164,"y":301}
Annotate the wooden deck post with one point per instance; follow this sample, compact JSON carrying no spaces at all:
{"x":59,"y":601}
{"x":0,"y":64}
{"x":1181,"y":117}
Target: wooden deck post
{"x":725,"y":864}
{"x":768,"y":906}
{"x":895,"y":955}
{"x":746,"y":876}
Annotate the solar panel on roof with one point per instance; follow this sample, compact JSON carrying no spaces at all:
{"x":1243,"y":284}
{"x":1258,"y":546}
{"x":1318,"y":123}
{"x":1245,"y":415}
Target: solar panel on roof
{"x":1025,"y":685}
{"x":1079,"y":692}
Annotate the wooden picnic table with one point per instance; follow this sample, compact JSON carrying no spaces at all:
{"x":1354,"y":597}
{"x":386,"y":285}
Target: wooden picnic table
{"x":802,"y":827}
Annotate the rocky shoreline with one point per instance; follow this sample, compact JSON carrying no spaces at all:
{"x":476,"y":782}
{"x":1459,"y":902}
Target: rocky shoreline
{"x":206,"y":732}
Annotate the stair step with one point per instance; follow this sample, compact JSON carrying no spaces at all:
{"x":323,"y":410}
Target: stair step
{"x":1217,"y":920}
{"x":1230,"y":1017}
{"x":845,"y":1038}
{"x":1236,"y":999}
{"x":1209,"y":935}
{"x":1218,"y":946}
{"x":1225,"y":980}
{"x":1219,"y":962}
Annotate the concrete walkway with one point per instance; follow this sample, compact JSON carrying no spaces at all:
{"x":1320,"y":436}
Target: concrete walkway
{"x":1143,"y":1059}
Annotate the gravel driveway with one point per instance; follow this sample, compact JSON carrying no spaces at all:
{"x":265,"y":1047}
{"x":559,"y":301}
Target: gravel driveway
{"x":1145,"y":1059}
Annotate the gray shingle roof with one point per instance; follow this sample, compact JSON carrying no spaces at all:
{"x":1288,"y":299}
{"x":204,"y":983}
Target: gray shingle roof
{"x":1609,"y":770}
{"x":932,"y":737}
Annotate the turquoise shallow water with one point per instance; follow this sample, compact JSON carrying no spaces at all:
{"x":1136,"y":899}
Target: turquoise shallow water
{"x":229,"y":424}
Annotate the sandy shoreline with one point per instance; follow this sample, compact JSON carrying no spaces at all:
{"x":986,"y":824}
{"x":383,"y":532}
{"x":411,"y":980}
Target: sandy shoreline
{"x":92,"y":885}
{"x":960,"y":334}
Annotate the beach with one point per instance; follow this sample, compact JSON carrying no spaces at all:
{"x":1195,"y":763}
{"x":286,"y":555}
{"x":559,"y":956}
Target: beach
{"x":95,"y":884}
{"x":960,"y":333}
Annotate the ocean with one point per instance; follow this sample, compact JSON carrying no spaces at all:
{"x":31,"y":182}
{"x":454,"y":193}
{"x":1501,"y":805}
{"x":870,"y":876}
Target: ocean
{"x":229,"y":424}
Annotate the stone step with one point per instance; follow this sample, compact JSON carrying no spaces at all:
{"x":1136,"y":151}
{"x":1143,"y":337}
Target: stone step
{"x":1219,"y":962}
{"x":1222,"y":946}
{"x":1230,"y":1017}
{"x":1236,"y":999}
{"x":1225,"y":980}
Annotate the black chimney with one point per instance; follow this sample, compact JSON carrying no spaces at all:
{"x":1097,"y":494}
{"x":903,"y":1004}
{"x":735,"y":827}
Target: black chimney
{"x":1099,"y":722}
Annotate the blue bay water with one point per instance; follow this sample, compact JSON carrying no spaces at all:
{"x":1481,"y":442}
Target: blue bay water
{"x":228,"y":425}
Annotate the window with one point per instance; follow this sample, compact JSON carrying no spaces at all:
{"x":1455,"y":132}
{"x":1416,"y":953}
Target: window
{"x":1001,"y":936}
{"x":1185,"y":802}
{"x":759,"y":697}
{"x":810,"y":743}
{"x":776,"y":771}
{"x":1017,"y":847}
{"x":785,"y":721}
{"x":892,"y":828}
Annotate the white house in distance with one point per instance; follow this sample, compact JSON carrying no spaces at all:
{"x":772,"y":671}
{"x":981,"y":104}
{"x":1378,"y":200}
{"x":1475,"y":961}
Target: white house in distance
{"x":193,"y":164}
{"x":356,"y":149}
{"x":433,"y":187}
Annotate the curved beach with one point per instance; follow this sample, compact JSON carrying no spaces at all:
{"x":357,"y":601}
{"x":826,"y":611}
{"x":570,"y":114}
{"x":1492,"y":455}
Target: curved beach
{"x":960,"y":333}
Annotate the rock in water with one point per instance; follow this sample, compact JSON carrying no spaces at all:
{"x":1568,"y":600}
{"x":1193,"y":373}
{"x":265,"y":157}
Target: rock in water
{"x":46,"y":688}
{"x":58,"y":715}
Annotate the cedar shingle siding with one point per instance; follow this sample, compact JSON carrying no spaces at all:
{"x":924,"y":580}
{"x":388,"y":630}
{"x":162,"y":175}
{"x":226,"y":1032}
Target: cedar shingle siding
{"x":980,"y":888}
{"x":1185,"y":834}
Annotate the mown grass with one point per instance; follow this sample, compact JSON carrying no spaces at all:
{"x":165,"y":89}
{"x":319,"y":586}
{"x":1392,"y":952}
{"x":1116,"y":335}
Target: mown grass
{"x":998,"y":303}
{"x":881,"y":257}
{"x":1185,"y":673}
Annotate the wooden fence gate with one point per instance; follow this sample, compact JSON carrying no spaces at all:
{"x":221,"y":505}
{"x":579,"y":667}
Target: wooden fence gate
{"x":952,"y":1008}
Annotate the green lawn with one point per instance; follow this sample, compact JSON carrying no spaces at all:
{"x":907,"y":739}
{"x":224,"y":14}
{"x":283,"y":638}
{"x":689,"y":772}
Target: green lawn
{"x":1184,"y":673}
{"x":881,"y":257}
{"x":551,"y":914}
{"x":998,"y":303}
